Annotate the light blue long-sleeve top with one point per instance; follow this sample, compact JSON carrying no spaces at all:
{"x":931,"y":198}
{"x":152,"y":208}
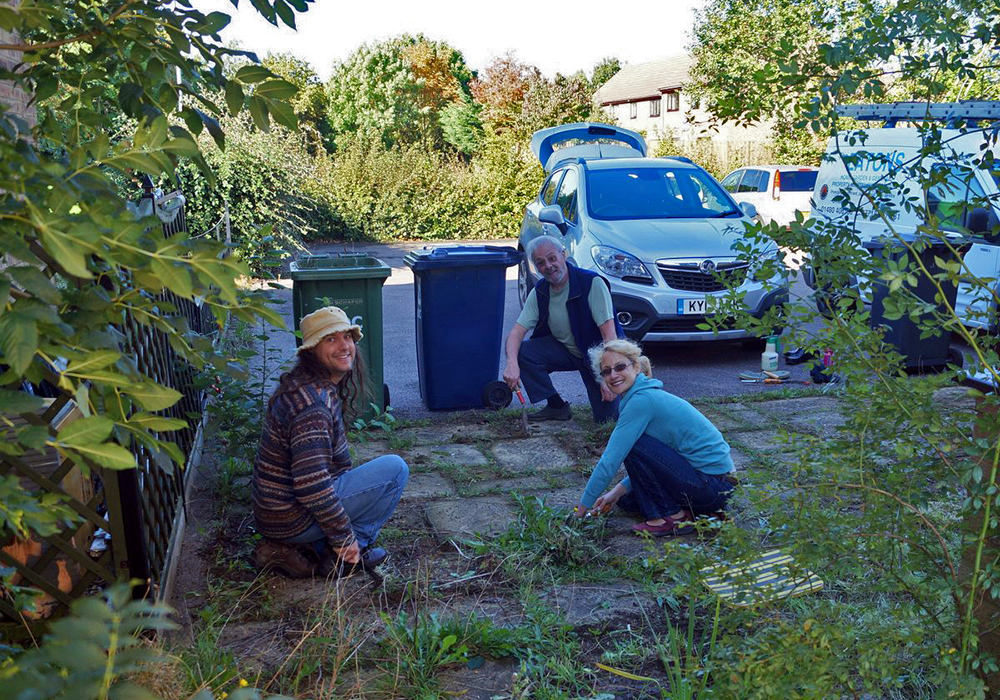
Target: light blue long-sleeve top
{"x":646,"y":409}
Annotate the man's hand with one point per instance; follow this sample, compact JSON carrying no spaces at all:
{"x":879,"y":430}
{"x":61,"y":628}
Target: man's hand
{"x":351,"y":553}
{"x":512,"y":375}
{"x":581,"y":510}
{"x":607,"y":501}
{"x":606,"y":393}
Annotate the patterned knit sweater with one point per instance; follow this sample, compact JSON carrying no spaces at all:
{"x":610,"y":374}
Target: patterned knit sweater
{"x":302,"y":451}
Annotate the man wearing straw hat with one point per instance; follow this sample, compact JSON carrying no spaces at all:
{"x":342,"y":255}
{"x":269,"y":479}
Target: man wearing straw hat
{"x":318,"y":515}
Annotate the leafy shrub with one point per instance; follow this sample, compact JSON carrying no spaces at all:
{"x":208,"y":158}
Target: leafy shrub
{"x":274,"y":186}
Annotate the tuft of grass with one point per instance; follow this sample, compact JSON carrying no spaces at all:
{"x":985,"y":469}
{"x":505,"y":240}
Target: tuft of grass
{"x":415,"y":650}
{"x":546,"y":536}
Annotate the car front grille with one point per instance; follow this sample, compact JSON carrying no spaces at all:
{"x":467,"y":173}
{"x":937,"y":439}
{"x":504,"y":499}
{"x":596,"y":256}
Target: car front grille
{"x":687,"y":324}
{"x":688,"y":277}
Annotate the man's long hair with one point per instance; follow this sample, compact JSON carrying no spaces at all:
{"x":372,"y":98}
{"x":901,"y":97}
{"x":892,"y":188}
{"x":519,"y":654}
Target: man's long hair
{"x":352,"y":389}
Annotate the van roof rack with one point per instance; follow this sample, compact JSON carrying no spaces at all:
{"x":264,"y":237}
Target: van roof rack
{"x":949,"y":112}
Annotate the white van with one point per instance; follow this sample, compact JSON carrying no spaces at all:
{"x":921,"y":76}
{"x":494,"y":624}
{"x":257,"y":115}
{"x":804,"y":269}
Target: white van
{"x":966,"y":200}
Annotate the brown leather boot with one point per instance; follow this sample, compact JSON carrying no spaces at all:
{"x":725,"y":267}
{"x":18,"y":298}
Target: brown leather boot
{"x":282,"y":557}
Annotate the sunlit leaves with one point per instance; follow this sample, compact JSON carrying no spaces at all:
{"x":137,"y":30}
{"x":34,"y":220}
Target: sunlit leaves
{"x":152,"y":396}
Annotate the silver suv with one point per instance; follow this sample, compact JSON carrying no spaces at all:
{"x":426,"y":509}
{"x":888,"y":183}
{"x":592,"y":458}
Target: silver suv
{"x":660,"y":230}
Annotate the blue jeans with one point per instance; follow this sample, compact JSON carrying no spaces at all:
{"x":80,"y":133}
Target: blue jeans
{"x":369,"y":494}
{"x":663,"y":482}
{"x":538,"y":357}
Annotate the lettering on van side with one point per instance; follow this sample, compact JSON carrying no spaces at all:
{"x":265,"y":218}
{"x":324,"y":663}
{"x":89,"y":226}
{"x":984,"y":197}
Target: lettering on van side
{"x":874,"y":161}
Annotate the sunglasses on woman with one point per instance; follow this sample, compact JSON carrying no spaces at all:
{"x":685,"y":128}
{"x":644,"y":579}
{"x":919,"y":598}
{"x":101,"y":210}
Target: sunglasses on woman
{"x":619,"y":368}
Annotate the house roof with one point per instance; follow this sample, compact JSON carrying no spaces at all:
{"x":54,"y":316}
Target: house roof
{"x":645,"y":80}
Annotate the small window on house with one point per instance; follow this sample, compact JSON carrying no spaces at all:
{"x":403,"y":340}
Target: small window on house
{"x":654,"y":107}
{"x":673,"y":99}
{"x":633,"y":110}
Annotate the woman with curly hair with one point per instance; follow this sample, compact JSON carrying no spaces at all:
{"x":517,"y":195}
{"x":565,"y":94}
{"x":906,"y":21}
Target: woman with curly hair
{"x":317,"y":514}
{"x":678,"y":463}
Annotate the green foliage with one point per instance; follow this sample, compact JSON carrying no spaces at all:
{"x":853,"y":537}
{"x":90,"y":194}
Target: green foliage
{"x":122,"y":89}
{"x":381,"y":423}
{"x":277,"y":191}
{"x":543,"y":536}
{"x":417,"y":650}
{"x":604,"y":70}
{"x":394,"y":90}
{"x":80,"y":259}
{"x":461,"y":126}
{"x":90,"y":654}
{"x":684,"y":655}
{"x":311,"y":103}
{"x":873,"y":507}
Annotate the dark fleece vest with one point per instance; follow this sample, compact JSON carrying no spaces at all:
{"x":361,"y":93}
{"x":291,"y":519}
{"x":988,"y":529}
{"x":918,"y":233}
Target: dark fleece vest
{"x":586,"y":334}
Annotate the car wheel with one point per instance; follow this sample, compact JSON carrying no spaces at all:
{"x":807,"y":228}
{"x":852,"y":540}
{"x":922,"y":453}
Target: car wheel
{"x":525,"y":281}
{"x":955,"y":357}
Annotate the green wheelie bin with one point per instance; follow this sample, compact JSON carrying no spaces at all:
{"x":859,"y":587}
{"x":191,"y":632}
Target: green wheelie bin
{"x":354,"y":283}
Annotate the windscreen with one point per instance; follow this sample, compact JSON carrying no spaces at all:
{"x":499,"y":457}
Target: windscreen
{"x":656,"y":193}
{"x":798,"y":180}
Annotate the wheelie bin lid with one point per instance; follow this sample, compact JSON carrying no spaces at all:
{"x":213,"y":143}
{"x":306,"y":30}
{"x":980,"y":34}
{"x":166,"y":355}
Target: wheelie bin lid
{"x":338,"y":266}
{"x":462,"y":256}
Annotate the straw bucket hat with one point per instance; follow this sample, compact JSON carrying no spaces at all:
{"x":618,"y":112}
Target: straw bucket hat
{"x":323,"y":322}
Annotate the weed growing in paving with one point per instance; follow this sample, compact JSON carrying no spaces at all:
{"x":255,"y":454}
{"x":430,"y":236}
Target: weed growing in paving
{"x":416,"y":649}
{"x":546,"y":536}
{"x":381,"y":424}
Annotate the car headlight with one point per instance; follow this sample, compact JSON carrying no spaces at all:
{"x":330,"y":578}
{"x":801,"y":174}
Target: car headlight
{"x":616,"y":263}
{"x":766,"y":265}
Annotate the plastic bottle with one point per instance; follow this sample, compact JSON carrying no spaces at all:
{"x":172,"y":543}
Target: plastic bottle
{"x":769,"y":358}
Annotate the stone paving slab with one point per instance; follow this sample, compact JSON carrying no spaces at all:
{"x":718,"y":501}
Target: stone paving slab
{"x":466,"y":517}
{"x":554,"y":427}
{"x":814,"y":414}
{"x":462,"y":454}
{"x":599,"y":604}
{"x":492,"y":679}
{"x":564,"y":498}
{"x":423,"y":487}
{"x":768,"y":444}
{"x":366,"y":452}
{"x":442,"y":433}
{"x":955,"y":398}
{"x":741,"y":460}
{"x":532,"y":454}
{"x":749,"y":416}
{"x":522,"y":484}
{"x":720,"y":420}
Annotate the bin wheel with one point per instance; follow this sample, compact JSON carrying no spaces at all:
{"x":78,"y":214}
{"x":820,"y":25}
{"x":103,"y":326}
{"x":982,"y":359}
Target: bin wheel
{"x":955,"y":357}
{"x":385,"y":396}
{"x":497,"y":395}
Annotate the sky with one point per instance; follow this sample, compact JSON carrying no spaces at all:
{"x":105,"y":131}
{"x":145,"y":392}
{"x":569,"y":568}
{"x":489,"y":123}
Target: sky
{"x":556,"y":36}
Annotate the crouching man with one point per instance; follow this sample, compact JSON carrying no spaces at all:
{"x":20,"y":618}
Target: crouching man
{"x":570,"y":311}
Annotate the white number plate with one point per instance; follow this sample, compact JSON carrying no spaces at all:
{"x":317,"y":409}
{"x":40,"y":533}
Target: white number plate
{"x":691,"y":306}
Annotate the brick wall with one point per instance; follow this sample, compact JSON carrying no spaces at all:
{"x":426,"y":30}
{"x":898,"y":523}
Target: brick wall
{"x":12,"y":96}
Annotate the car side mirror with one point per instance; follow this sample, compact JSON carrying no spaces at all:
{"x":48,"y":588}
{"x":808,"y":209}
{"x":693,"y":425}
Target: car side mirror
{"x":749,"y":209}
{"x":552,"y":214}
{"x":983,"y":222}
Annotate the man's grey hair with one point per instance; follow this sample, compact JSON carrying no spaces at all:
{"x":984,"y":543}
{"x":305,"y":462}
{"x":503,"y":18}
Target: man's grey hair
{"x":551,"y":240}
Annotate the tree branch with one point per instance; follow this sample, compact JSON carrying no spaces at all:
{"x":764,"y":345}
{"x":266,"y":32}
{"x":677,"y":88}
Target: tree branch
{"x":23,"y":48}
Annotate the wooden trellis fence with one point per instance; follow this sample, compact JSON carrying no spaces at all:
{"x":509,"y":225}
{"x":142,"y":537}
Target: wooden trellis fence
{"x":141,"y":510}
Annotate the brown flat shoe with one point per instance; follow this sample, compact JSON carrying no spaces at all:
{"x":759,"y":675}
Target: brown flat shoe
{"x":285,"y":558}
